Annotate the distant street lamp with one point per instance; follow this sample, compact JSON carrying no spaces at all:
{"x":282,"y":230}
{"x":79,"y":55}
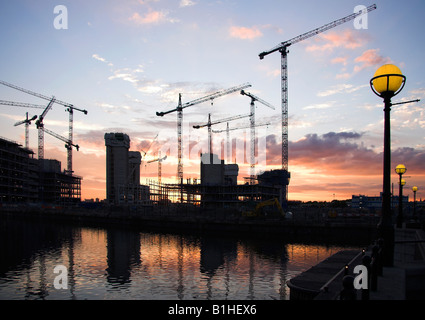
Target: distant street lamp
{"x":414,"y":189}
{"x":400,"y":170}
{"x":387,"y":82}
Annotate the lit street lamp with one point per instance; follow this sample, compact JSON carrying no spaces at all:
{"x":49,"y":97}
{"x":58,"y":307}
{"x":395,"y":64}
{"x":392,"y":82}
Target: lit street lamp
{"x":387,"y":82}
{"x":414,"y":189}
{"x":400,"y":170}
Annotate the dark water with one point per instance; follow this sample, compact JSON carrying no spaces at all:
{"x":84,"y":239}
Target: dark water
{"x":114,"y":263}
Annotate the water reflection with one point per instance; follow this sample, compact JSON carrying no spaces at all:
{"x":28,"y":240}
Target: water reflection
{"x":117,"y":263}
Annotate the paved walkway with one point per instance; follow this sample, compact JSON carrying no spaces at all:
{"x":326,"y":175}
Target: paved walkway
{"x":396,"y":281}
{"x":403,"y":281}
{"x":391,"y":285}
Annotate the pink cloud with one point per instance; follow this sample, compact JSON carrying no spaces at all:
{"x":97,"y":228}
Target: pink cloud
{"x":347,"y":39}
{"x":370,"y":58}
{"x":151,"y":17}
{"x":245,"y":33}
{"x":341,"y":60}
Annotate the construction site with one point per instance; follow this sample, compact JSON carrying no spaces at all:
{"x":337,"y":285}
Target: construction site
{"x":26,"y":179}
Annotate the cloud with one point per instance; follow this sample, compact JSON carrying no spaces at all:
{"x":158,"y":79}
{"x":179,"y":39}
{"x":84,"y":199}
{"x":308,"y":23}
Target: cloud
{"x":347,"y":39}
{"x":99,"y":58}
{"x":320,"y":106}
{"x":127,"y":74}
{"x":112,"y":109}
{"x":345,"y":75}
{"x":187,"y":3}
{"x":245,"y":33}
{"x":340,"y":88}
{"x":341,"y":154}
{"x":152,"y":17}
{"x":370,"y":58}
{"x":341,"y":60}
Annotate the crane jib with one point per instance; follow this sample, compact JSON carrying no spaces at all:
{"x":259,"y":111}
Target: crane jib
{"x":316,"y":31}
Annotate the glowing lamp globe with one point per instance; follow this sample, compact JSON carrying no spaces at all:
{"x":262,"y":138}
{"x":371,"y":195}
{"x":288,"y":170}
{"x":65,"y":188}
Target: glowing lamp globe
{"x":400,"y":169}
{"x":415,"y":189}
{"x":388,"y":81}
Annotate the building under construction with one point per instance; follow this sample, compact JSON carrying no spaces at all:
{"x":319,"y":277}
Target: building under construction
{"x":26,"y":180}
{"x":218,"y":187}
{"x":123,"y":172}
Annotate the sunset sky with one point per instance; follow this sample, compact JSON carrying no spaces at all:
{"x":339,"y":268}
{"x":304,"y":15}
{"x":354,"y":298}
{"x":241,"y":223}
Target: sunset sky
{"x":125,"y":60}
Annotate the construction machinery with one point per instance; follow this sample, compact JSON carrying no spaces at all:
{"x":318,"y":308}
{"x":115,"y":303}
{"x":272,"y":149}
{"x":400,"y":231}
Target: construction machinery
{"x":179,"y":110}
{"x":212,"y":123}
{"x":69,"y":108}
{"x":283,"y":49}
{"x":253,"y":100}
{"x":27,"y":123}
{"x":259,"y":209}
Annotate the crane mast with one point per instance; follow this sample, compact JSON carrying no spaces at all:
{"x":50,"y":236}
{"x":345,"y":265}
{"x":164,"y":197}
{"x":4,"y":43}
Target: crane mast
{"x":159,"y":160}
{"x":283,"y":49}
{"x":27,"y":123}
{"x":179,"y":110}
{"x":40,"y":126}
{"x":252,"y":120}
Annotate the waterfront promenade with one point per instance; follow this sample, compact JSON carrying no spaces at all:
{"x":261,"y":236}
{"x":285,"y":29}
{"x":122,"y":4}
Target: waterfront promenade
{"x":405,"y":280}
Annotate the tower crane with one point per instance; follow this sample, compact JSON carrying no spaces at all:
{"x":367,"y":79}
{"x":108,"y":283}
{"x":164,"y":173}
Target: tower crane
{"x":40,"y":126}
{"x":228,"y":129}
{"x":179,"y":110}
{"x":283,"y":49}
{"x":253,"y":100}
{"x":21,"y":104}
{"x":68,"y":143}
{"x":27,"y":123}
{"x":209,"y":124}
{"x":69,"y":108}
{"x":159,"y":160}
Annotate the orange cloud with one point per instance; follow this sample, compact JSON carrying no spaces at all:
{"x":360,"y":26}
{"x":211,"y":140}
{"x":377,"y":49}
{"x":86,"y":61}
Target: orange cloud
{"x":245,"y":33}
{"x":321,"y":165}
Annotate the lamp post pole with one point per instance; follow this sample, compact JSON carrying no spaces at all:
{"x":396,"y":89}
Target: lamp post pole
{"x":386,"y":229}
{"x":386,"y":83}
{"x":414,"y":189}
{"x":400,"y":170}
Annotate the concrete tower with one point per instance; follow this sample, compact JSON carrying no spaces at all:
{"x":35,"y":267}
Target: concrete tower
{"x":117,"y":166}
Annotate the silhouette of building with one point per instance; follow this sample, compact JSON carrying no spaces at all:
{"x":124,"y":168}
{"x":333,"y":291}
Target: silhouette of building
{"x":375,"y":202}
{"x":214,"y":172}
{"x":123,"y":171}
{"x":24,"y":179}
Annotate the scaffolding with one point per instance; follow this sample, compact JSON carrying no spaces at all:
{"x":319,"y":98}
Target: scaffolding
{"x":210,"y":196}
{"x":24,"y":179}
